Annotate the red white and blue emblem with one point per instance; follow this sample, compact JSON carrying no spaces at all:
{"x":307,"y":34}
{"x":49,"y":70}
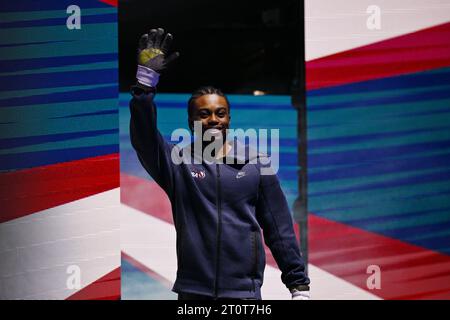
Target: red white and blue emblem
{"x":198,"y":173}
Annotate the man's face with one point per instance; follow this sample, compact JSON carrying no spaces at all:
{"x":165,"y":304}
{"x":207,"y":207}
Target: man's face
{"x":213,"y":112}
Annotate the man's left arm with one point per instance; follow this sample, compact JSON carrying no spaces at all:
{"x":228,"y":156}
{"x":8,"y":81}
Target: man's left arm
{"x":274,"y":216}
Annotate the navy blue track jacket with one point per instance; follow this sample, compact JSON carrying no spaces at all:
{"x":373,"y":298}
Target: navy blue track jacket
{"x":218,"y":211}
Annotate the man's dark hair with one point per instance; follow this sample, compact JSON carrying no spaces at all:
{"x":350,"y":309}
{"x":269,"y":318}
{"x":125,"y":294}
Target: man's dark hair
{"x":204,"y":91}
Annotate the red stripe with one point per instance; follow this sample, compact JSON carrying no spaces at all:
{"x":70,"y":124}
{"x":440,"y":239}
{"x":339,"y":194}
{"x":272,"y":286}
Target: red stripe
{"x":407,"y":271}
{"x":105,"y":288}
{"x":27,"y":191}
{"x":145,"y":196}
{"x":418,"y":51}
{"x":147,"y":270}
{"x":110,"y":2}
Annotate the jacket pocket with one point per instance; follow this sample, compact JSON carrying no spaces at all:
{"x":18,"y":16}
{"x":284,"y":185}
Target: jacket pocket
{"x":237,"y":257}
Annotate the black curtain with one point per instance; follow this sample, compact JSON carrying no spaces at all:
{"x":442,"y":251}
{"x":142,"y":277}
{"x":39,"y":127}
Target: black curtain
{"x":238,"y":46}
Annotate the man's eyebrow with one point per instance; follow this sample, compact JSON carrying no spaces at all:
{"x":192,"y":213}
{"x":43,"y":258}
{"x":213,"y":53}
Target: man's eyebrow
{"x":219,"y":108}
{"x":206,"y":108}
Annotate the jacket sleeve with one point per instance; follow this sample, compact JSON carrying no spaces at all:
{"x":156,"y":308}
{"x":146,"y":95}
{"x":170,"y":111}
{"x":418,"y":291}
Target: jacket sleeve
{"x":153,"y":151}
{"x":274,"y":217}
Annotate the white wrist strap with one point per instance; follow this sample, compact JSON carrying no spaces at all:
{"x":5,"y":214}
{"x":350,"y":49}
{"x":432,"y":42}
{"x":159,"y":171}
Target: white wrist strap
{"x":147,"y":76}
{"x":300,"y":295}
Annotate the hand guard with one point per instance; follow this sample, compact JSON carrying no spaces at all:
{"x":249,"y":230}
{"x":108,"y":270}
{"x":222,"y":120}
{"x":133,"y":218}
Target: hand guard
{"x":152,"y":51}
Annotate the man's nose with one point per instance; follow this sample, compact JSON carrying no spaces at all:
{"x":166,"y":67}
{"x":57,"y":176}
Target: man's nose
{"x":213,"y":119}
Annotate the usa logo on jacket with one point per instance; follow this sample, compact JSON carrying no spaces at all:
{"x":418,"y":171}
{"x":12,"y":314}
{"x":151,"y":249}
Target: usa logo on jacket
{"x":198,"y":173}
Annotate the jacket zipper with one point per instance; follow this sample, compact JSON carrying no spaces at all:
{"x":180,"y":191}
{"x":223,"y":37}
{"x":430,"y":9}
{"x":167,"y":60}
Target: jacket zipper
{"x":219,"y":230}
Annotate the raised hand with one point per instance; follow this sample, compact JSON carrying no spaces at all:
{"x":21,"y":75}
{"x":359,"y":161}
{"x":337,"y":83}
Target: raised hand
{"x":153,"y":56}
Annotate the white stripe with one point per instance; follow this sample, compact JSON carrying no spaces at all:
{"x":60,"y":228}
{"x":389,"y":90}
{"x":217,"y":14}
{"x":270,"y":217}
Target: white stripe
{"x":36,"y":250}
{"x":151,"y":241}
{"x":334,"y":26}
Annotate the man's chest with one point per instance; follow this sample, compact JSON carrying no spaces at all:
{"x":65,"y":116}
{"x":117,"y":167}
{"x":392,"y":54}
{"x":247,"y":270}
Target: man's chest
{"x":225,"y":182}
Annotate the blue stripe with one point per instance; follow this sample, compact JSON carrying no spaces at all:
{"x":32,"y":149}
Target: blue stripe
{"x":440,"y":244}
{"x":37,"y":63}
{"x":406,"y":115}
{"x":380,"y":203}
{"x":42,"y":158}
{"x":407,"y":234}
{"x":88,"y":19}
{"x":412,"y":164}
{"x":77,"y":95}
{"x":29,"y":43}
{"x":373,"y":154}
{"x":57,"y":79}
{"x":420,"y":79}
{"x":322,"y":212}
{"x":326,"y":125}
{"x":426,"y":194}
{"x":26,"y":141}
{"x":409,"y":181}
{"x":376,"y":102}
{"x":328,"y":142}
{"x":33,"y":5}
{"x":87,"y":114}
{"x":411,"y":214}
